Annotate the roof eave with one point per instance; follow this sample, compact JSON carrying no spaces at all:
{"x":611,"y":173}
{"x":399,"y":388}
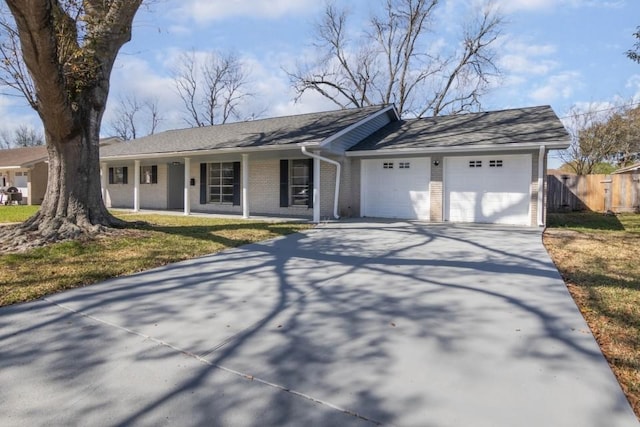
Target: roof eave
{"x":214,"y":151}
{"x":459,"y":149}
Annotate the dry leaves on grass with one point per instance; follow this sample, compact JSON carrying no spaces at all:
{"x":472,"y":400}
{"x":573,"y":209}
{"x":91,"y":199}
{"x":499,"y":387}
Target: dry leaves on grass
{"x":602,"y":272}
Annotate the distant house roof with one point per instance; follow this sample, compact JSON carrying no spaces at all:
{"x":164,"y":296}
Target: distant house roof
{"x":628,"y":169}
{"x":559,"y":172}
{"x":279,"y":132}
{"x":22,"y":157}
{"x":534,"y":126}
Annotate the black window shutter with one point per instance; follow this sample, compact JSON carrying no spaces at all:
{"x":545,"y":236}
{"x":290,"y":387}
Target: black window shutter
{"x":110,"y":175}
{"x":284,"y":183}
{"x":154,"y":174}
{"x":125,"y":175}
{"x":310,"y":202}
{"x":236,"y":183}
{"x":203,"y":183}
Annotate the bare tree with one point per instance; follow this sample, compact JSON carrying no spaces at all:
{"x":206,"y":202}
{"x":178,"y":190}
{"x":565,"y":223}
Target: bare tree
{"x":393,"y":61}
{"x":601,"y":136}
{"x":22,"y":136}
{"x":67,"y":49}
{"x":212,"y":87}
{"x":134,"y":118}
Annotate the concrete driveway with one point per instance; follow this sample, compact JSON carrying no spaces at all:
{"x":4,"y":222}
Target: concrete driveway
{"x":353,"y":323}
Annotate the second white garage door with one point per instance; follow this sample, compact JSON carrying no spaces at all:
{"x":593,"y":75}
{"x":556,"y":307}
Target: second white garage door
{"x":396,"y":188}
{"x":488,"y":189}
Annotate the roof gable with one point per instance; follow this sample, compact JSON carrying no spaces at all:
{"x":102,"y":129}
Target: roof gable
{"x":534,"y":125}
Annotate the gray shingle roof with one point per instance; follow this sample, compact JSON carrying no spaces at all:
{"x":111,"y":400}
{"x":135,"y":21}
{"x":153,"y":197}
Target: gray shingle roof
{"x":534,"y":125}
{"x":308,"y":129}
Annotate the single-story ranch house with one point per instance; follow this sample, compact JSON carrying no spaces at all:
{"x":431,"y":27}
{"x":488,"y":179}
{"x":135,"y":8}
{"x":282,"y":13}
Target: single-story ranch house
{"x":26,"y":169}
{"x":366,"y":162}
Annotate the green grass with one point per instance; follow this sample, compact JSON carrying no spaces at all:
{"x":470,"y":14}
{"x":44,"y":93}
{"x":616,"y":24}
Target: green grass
{"x":599,"y":259}
{"x":166,"y":239}
{"x":16,"y":213}
{"x":594,"y":221}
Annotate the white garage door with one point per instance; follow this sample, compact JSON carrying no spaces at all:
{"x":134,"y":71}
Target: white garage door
{"x":489,"y":189}
{"x":396,"y":188}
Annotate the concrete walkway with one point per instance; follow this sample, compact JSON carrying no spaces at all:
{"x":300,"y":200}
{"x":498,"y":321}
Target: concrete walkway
{"x":351,"y":323}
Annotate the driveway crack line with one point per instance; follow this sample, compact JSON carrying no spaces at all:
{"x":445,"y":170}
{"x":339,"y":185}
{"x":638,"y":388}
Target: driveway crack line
{"x":246,"y":377}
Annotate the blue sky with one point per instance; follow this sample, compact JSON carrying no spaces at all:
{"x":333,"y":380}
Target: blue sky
{"x":559,"y":52}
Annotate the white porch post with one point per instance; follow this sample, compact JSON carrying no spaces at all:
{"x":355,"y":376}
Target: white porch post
{"x":187,"y":182}
{"x":103,"y":182}
{"x":136,"y":185}
{"x":316,"y":190}
{"x":245,"y":186}
{"x":541,"y":157}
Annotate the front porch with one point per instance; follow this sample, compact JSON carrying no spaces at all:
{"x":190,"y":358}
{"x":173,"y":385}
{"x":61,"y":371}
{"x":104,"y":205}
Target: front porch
{"x":289,"y":184}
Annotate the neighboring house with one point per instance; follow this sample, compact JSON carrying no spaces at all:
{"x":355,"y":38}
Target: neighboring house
{"x":633,"y":169}
{"x":366,"y":162}
{"x":26,"y":169}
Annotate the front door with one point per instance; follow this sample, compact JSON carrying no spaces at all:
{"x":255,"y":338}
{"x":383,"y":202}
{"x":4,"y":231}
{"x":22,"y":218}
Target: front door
{"x":175,"y":186}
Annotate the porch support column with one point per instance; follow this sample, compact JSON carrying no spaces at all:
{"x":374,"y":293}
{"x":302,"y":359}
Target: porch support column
{"x":541,"y":162}
{"x":136,"y":185}
{"x":187,"y":182}
{"x":316,"y":190}
{"x":245,"y":186}
{"x":103,"y":182}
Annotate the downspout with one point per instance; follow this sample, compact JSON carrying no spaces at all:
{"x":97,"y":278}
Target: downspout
{"x":541,"y":163}
{"x":338,"y":169}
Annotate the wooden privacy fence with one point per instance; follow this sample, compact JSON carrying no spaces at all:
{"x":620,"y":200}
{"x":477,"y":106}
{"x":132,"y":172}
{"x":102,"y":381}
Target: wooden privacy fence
{"x":598,"y":193}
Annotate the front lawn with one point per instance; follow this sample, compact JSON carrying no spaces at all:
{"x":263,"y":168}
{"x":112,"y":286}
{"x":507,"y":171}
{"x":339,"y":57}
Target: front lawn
{"x":42,"y":271}
{"x":16,"y":213}
{"x":599,"y":259}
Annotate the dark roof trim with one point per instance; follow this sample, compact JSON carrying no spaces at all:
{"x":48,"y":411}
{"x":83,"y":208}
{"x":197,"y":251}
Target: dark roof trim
{"x":456,"y":149}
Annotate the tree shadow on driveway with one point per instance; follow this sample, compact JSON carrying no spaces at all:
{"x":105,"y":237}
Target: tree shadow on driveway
{"x":355,"y":323}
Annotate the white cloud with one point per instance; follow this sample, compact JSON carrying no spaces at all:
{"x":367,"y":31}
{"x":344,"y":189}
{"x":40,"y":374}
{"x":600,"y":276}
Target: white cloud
{"x":544,"y":5}
{"x":212,"y":10}
{"x":133,"y":76}
{"x":557,"y":87}
{"x":521,"y":57}
{"x":521,"y":64}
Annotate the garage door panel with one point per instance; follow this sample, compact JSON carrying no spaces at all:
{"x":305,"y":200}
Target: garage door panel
{"x":396,"y":188}
{"x":489,"y":189}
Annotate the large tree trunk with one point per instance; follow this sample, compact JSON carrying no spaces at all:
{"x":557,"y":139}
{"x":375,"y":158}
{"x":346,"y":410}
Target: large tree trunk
{"x":69,"y":49}
{"x":73,"y":202}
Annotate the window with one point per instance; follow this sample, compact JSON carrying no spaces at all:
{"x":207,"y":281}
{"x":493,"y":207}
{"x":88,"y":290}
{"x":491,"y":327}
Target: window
{"x":387,"y":165}
{"x":118,"y":175}
{"x":404,"y":165}
{"x":495,"y":163}
{"x":296,"y":182}
{"x":299,"y":182}
{"x":221,"y":183}
{"x":475,"y":163}
{"x":149,"y":174}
